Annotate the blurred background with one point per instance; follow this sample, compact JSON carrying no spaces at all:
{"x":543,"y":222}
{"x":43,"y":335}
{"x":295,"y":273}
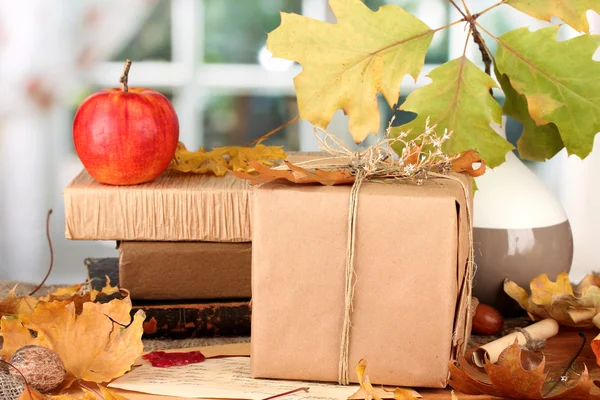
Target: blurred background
{"x":209,"y":58}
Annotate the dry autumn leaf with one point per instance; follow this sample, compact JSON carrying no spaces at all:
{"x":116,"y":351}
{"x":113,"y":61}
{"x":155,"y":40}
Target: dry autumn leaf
{"x":380,"y":393}
{"x":568,"y":305}
{"x":222,"y":159}
{"x":112,"y":341}
{"x":297,"y":174}
{"x":32,"y":394}
{"x":14,"y":305}
{"x":521,"y":374}
{"x":81,"y":293}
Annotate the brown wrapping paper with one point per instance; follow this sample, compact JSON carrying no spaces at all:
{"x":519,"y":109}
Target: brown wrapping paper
{"x":410,"y":256}
{"x":185,"y":270}
{"x":174,"y":207}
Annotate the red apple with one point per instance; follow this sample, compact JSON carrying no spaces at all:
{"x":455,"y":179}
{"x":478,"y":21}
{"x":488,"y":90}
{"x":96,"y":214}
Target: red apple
{"x":125,"y":136}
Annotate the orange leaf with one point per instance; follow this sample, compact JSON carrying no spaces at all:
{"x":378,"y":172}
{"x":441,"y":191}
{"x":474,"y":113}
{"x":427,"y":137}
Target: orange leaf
{"x":464,"y":163}
{"x":519,"y":374}
{"x":295,"y":174}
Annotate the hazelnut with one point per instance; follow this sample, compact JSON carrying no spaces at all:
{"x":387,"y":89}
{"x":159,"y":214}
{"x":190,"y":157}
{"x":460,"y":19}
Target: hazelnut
{"x":42,"y":368}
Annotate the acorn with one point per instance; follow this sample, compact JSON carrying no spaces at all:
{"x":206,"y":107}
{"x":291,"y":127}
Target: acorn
{"x":41,"y":367}
{"x":487,"y":320}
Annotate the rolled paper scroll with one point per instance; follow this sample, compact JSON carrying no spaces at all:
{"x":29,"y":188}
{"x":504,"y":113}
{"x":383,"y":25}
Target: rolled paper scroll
{"x":542,"y":330}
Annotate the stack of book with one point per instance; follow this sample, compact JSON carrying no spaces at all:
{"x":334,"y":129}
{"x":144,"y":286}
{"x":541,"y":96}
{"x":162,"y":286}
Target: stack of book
{"x":184,"y":243}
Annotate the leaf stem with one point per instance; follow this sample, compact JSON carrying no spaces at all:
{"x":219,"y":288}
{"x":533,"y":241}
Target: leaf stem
{"x":272,"y":132}
{"x":491,"y":8}
{"x":459,"y":9}
{"x":467,"y":41}
{"x":466,"y":8}
{"x":51,"y":254}
{"x":486,"y":31}
{"x":448,"y":25}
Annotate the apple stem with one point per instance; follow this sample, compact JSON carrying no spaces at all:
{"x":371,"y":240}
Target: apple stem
{"x":124,"y":76}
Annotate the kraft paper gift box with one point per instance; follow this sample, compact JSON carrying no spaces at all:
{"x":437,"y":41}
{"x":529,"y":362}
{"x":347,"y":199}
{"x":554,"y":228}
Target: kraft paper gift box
{"x":409,"y":314}
{"x":185,"y":270}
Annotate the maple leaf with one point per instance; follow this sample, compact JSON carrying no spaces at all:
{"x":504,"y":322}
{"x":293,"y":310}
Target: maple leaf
{"x":109,"y":394}
{"x":14,"y":335}
{"x":80,"y":294}
{"x":572,"y":12}
{"x":222,"y":159}
{"x":88,"y":394}
{"x":345,"y":65}
{"x":458,"y":100}
{"x":97,"y":345}
{"x":558,"y":91}
{"x":537,"y":143}
{"x":569,"y":306}
{"x":519,"y":374}
{"x":31,"y":394}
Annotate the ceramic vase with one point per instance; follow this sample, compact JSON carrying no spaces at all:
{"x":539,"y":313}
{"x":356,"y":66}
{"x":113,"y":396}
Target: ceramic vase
{"x":520,"y":231}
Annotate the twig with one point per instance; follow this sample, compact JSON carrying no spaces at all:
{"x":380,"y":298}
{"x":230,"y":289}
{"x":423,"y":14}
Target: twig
{"x":302,"y":389}
{"x":274,"y":131}
{"x":485,"y":56}
{"x":51,"y":254}
{"x":569,"y":365}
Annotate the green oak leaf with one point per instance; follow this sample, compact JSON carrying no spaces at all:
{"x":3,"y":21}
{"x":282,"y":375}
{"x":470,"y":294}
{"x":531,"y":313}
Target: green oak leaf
{"x":345,"y":65}
{"x":559,"y":80}
{"x":537,"y":143}
{"x":458,"y":99}
{"x":572,"y":12}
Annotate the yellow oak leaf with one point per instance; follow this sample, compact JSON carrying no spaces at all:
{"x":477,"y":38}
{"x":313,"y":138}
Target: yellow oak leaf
{"x":222,"y":159}
{"x":97,"y":345}
{"x":345,"y":65}
{"x":572,"y":12}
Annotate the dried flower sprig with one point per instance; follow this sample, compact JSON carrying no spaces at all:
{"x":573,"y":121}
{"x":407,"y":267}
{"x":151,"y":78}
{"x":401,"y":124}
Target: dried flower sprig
{"x":419,"y":155}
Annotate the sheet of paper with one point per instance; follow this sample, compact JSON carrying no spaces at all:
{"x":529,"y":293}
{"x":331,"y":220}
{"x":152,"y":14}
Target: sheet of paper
{"x":222,"y":378}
